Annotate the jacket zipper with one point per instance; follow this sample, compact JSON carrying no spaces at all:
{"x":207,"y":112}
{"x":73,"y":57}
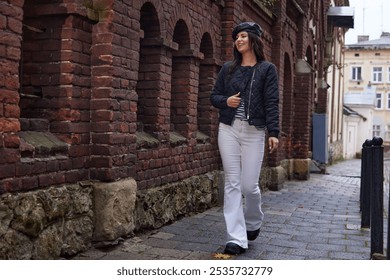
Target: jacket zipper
{"x":250,"y":94}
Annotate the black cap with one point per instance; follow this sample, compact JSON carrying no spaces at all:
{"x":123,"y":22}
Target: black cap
{"x":248,"y":26}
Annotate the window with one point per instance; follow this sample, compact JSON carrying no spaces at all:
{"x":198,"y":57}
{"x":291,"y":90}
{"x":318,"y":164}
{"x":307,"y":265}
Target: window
{"x":379,"y":100}
{"x":388,"y":101}
{"x":377,"y":74}
{"x":388,"y":74}
{"x":376,"y":130}
{"x":356,"y":73}
{"x":388,"y":132}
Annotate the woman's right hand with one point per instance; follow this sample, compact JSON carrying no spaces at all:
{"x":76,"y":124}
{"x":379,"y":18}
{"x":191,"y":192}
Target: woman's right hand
{"x":234,"y":100}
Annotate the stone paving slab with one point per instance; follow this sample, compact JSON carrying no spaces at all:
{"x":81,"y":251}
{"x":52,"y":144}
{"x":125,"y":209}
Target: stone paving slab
{"x":317,"y":219}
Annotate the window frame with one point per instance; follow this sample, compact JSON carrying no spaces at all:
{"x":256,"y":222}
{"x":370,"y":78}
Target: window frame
{"x":378,"y":98}
{"x":377,"y":75}
{"x":388,"y":74}
{"x":388,"y":101}
{"x":355,"y":75}
{"x":376,"y":130}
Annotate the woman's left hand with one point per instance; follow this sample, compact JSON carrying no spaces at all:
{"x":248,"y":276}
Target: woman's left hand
{"x":273,"y":144}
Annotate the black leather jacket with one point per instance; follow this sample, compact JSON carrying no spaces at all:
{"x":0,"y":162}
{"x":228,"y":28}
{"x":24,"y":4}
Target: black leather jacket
{"x":258,"y":86}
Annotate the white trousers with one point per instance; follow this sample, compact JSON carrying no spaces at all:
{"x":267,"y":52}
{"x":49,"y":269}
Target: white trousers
{"x":242,"y":150}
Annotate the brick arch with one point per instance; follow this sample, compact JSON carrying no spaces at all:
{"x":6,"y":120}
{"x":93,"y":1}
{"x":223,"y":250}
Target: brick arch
{"x":309,"y":45}
{"x":208,"y":71}
{"x":149,"y":69}
{"x":182,"y":36}
{"x":288,"y":107}
{"x":159,"y":11}
{"x":206,"y":44}
{"x":180,"y":12}
{"x":311,"y":60}
{"x":150,"y":21}
{"x":310,"y":56}
{"x":181,"y":84}
{"x":156,"y":3}
{"x":304,"y":90}
{"x":182,"y":119}
{"x":206,"y":28}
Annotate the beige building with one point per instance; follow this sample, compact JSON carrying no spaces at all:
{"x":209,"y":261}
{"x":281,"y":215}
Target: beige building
{"x":335,"y":84}
{"x":327,"y":142}
{"x":366,"y":92}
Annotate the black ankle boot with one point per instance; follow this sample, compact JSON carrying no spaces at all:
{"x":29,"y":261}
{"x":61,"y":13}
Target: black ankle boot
{"x":252,"y":235}
{"x":233,"y":249}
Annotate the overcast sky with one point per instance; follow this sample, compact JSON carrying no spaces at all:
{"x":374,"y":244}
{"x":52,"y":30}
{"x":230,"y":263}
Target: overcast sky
{"x":376,"y":19}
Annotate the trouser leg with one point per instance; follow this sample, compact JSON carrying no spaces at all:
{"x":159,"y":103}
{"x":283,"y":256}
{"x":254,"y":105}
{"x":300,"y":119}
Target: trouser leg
{"x":252,"y":154}
{"x":230,"y":151}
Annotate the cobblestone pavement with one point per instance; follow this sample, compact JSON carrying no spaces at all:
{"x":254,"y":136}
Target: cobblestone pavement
{"x":317,"y":219}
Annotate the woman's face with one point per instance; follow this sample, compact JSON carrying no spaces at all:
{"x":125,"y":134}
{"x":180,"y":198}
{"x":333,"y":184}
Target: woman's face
{"x":242,"y":42}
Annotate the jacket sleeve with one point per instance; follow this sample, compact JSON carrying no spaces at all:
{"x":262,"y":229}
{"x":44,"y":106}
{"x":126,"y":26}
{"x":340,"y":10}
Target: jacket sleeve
{"x":271,"y":100}
{"x":218,"y":98}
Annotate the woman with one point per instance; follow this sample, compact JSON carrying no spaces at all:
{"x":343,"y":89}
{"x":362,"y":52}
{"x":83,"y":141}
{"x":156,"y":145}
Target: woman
{"x":247,"y":96}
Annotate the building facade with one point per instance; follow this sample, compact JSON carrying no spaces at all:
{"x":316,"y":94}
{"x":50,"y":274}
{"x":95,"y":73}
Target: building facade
{"x":105,"y":122}
{"x":367,"y":90}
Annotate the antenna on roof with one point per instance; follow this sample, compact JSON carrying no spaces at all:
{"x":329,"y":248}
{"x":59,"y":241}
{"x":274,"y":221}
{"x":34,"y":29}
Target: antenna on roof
{"x":382,"y":16}
{"x":364,"y":16}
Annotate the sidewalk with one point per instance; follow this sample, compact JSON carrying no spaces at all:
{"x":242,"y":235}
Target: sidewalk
{"x":318,"y":219}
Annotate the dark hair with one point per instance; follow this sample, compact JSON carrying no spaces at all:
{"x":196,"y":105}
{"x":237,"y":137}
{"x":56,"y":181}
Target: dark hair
{"x":256,"y":43}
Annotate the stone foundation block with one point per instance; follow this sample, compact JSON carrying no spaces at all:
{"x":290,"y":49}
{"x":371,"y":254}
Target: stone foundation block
{"x":301,"y":169}
{"x":278,"y":176}
{"x":114,"y":204}
{"x":158,"y":206}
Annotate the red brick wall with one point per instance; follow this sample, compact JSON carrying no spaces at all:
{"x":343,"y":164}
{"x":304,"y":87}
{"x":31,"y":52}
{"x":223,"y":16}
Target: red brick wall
{"x":103,"y":74}
{"x":10,"y":53}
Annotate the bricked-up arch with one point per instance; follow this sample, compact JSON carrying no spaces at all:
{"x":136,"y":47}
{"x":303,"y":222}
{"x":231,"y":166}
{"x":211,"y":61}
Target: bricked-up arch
{"x":54,"y":80}
{"x":207,"y":75}
{"x":149,"y":77}
{"x":183,"y":101}
{"x":55,"y":92}
{"x":149,"y":21}
{"x":311,"y":61}
{"x":303,"y":91}
{"x":40,"y":64}
{"x":309,"y":56}
{"x":288,"y":110}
